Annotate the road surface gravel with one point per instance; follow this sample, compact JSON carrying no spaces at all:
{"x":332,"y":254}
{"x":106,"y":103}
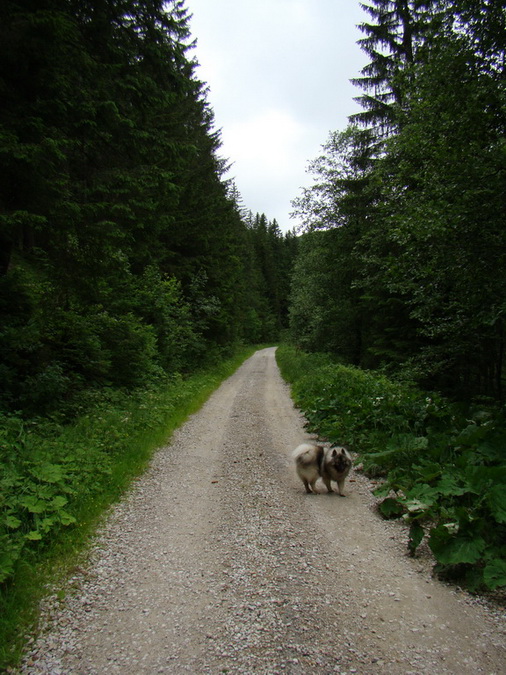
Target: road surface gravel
{"x":217,"y":562}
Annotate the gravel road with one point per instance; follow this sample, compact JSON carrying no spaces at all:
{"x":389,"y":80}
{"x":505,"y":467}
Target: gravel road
{"x":218,"y":562}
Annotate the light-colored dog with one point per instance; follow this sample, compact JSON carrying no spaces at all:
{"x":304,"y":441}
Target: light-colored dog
{"x":316,"y":461}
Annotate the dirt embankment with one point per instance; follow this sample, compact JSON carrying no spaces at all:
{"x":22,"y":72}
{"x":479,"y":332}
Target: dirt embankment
{"x":218,"y":562}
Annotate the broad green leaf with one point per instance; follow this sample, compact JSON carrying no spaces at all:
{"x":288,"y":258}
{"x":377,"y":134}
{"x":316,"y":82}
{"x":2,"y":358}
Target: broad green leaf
{"x":47,"y":524}
{"x":423,"y":493}
{"x":494,"y":574}
{"x":66,"y":518}
{"x":48,"y":473}
{"x":32,"y":504}
{"x":34,"y":535}
{"x":12,"y":522}
{"x":382,"y":490}
{"x":391,"y":508}
{"x":455,"y":549}
{"x":471,"y":435}
{"x":448,"y":485}
{"x":58,"y":502}
{"x":496,"y":500}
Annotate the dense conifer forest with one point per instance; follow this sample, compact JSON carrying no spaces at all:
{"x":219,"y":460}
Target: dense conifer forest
{"x":404,"y":263}
{"x":131,"y":274}
{"x":125,"y":256}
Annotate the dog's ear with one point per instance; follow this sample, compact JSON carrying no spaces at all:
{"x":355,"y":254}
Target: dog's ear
{"x":334,"y":453}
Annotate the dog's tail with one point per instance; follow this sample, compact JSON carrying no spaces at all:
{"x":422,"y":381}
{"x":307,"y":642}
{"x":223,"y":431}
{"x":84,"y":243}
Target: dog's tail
{"x":301,"y":450}
{"x":306,"y":453}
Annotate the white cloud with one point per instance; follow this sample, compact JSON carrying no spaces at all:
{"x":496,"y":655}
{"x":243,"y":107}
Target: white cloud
{"x":267,"y":151}
{"x":268,"y":139}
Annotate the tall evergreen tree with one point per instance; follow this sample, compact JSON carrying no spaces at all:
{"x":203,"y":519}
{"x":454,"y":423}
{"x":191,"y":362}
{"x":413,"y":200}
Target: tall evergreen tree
{"x":274,"y":254}
{"x":420,"y":218}
{"x":122,"y":250}
{"x":443,"y":237}
{"x":391,"y":42}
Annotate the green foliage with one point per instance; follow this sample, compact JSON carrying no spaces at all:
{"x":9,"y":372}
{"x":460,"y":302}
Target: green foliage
{"x":390,"y":508}
{"x":391,"y":42}
{"x":494,"y":574}
{"x":323,"y":309}
{"x":356,"y":407}
{"x":443,"y":466}
{"x":268,"y":273}
{"x":125,"y":261}
{"x":124,"y":257}
{"x":412,"y":278}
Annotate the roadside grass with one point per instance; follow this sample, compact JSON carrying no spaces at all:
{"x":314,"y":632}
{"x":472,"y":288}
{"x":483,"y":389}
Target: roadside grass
{"x":57,"y":480}
{"x":442,"y":464}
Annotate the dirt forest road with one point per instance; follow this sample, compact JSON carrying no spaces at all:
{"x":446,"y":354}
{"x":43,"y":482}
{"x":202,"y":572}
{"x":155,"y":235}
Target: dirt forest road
{"x":218,"y":562}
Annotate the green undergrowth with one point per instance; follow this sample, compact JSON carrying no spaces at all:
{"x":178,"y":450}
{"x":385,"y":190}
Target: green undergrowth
{"x":441,"y":465}
{"x":58,"y":478}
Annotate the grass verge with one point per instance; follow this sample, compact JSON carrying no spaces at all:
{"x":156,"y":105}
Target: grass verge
{"x":57,"y":481}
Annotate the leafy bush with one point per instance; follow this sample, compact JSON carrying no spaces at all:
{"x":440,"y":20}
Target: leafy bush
{"x":54,"y":344}
{"x":457,"y":496}
{"x":42,"y":477}
{"x":161,"y":304}
{"x":444,"y":468}
{"x":356,"y":407}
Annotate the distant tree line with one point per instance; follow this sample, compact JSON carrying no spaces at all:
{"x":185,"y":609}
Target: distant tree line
{"x":124,"y":253}
{"x":403,"y":264}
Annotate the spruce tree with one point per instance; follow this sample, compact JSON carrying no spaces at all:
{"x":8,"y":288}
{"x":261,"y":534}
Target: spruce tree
{"x":120,"y":243}
{"x":391,"y":42}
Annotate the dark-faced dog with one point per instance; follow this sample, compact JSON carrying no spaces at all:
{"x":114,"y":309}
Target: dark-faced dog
{"x":316,"y":461}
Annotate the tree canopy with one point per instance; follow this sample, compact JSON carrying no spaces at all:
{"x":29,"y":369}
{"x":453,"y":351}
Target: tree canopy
{"x":413,"y":195}
{"x":124,"y":252}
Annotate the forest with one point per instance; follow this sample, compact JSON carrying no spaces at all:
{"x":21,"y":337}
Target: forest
{"x":124,"y":254}
{"x":131,"y":273}
{"x":404,"y":266}
{"x":128,"y":262}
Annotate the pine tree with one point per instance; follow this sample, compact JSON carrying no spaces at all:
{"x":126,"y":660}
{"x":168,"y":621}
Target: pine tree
{"x":391,"y":42}
{"x":122,"y":250}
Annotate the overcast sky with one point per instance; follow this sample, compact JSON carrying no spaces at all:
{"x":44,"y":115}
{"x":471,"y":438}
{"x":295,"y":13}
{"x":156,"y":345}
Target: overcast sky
{"x":278,"y":72}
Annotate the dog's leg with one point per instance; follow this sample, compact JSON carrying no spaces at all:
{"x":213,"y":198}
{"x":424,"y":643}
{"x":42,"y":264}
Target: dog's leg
{"x":340,"y":486}
{"x":306,"y":485}
{"x":327,"y":484}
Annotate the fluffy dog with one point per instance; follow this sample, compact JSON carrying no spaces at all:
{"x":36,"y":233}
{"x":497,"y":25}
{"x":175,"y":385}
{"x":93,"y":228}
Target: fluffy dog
{"x":316,"y":461}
